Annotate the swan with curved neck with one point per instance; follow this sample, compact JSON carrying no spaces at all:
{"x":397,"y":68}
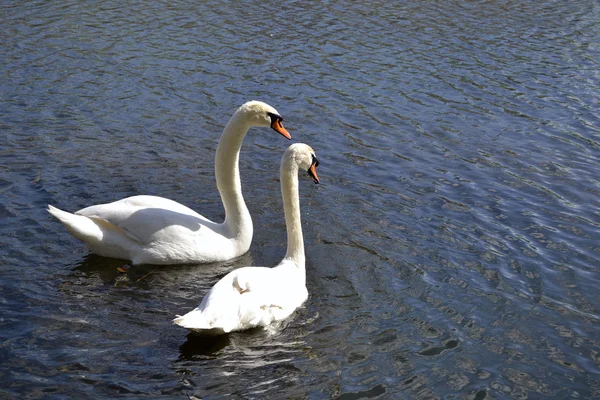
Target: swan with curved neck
{"x":257,"y":296}
{"x":156,"y":230}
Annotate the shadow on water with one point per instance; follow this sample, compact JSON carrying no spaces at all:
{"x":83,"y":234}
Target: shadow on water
{"x":271,"y":337}
{"x":103,"y":267}
{"x":197,"y":345}
{"x":107,"y":269}
{"x":110,"y":272}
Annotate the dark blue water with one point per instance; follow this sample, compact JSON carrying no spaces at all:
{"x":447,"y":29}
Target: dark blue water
{"x":453,"y":245}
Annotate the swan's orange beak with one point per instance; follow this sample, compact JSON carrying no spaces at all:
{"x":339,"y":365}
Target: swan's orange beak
{"x":312,"y":172}
{"x":278,"y":126}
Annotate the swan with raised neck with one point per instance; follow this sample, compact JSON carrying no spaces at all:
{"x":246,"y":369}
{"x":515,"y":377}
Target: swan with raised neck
{"x":249,"y":297}
{"x":156,"y":230}
{"x":238,"y":223}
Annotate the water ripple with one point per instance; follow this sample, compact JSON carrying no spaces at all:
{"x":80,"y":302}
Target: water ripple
{"x":451,"y":246}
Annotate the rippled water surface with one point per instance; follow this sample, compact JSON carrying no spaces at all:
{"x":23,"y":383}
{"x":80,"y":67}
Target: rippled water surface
{"x":453,"y":243}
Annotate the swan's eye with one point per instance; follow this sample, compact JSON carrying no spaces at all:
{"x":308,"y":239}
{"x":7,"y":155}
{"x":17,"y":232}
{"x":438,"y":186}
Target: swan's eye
{"x":315,"y":160}
{"x":275,"y":117}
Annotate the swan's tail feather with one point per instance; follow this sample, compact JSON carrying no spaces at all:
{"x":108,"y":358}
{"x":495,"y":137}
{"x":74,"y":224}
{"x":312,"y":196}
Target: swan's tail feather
{"x":81,"y":227}
{"x":193,"y":319}
{"x":196,"y":321}
{"x":179,"y":320}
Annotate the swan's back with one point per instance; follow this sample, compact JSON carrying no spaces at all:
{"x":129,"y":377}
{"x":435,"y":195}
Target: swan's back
{"x":247,"y":298}
{"x":130,"y":204}
{"x":148,"y":229}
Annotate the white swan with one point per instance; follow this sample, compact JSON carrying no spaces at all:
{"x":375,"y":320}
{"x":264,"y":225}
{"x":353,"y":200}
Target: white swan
{"x":155,"y":230}
{"x":257,"y":296}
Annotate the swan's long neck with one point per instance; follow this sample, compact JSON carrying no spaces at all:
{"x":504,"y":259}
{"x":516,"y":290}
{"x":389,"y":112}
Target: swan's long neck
{"x":227,"y":173}
{"x":291,"y":208}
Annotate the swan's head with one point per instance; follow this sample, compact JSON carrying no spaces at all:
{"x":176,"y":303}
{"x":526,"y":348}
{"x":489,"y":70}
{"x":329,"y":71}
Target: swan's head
{"x":262,"y":114}
{"x":304,"y":157}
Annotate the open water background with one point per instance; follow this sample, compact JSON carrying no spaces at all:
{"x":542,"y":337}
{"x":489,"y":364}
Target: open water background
{"x":452,"y":246}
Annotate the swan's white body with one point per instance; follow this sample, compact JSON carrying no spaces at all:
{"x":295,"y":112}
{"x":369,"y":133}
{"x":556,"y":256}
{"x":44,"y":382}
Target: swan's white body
{"x":156,"y":230}
{"x":257,"y":296}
